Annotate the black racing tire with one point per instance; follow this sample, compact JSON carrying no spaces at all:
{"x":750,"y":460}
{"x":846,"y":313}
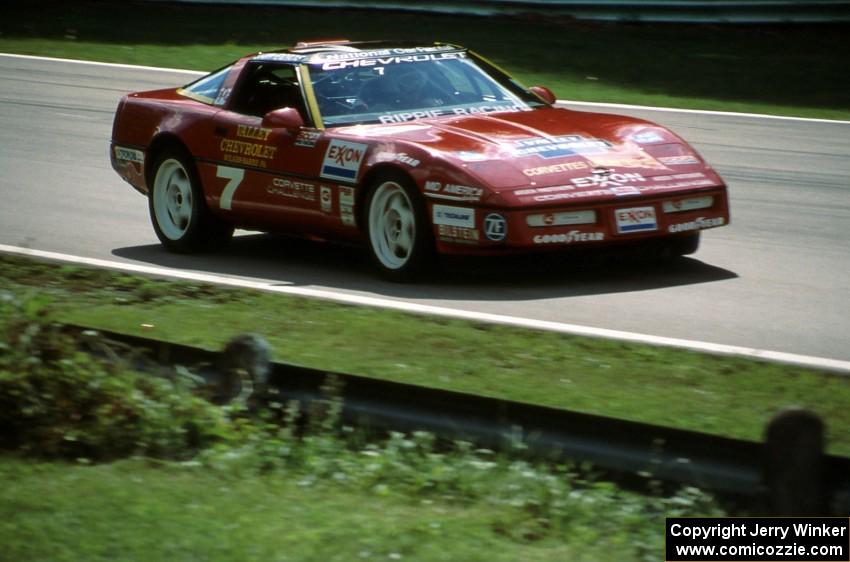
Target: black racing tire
{"x":179,"y":213}
{"x":684,"y":245}
{"x":398,"y":233}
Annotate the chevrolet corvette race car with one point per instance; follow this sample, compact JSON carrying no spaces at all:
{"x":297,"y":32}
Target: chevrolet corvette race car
{"x":412,"y":150}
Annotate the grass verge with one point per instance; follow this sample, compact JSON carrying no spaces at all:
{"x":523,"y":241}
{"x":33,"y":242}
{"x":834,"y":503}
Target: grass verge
{"x":785,"y":70}
{"x":270,"y":481}
{"x":725,"y":396}
{"x":141,"y":510}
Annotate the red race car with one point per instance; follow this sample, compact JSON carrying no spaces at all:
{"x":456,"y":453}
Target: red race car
{"x":414,"y":150}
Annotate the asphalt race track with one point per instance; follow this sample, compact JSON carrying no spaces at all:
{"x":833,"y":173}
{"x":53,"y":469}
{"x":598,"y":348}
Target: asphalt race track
{"x":777,"y":279}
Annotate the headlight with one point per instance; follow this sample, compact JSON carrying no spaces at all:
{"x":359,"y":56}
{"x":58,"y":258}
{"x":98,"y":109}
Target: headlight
{"x":689,"y":204}
{"x":561,"y":219}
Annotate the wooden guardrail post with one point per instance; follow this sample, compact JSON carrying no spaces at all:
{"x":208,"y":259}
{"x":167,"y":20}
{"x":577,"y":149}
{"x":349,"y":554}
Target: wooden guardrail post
{"x":794,"y":470}
{"x":244,"y":368}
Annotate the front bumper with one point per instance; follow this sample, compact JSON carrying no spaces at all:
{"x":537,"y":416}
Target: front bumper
{"x":482,"y":231}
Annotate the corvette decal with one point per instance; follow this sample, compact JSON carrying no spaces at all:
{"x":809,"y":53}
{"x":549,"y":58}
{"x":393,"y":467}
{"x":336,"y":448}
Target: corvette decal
{"x":342,"y":160}
{"x":292,"y":189}
{"x":555,"y":168}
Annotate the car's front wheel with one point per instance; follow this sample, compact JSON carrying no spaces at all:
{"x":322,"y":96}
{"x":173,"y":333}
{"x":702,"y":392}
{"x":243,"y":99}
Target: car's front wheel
{"x":179,"y":214}
{"x":399,"y":235}
{"x":685,"y":245}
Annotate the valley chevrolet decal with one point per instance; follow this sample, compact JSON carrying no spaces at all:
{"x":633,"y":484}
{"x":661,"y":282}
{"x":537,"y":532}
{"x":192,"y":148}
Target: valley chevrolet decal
{"x":245,"y":152}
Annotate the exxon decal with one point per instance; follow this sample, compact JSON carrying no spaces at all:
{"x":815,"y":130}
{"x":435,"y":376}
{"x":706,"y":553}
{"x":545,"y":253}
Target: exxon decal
{"x":637,"y":219}
{"x":607,"y":180}
{"x":342,"y":160}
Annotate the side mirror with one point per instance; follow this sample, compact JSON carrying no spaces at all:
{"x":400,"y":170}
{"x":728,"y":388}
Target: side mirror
{"x":544,"y":93}
{"x":284,"y":118}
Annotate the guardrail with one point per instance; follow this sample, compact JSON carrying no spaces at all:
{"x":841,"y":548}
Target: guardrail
{"x":681,"y":11}
{"x":787,"y":475}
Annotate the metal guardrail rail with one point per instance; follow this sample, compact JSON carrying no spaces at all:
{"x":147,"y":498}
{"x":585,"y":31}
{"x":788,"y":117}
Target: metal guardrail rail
{"x":681,"y":11}
{"x":728,"y":466}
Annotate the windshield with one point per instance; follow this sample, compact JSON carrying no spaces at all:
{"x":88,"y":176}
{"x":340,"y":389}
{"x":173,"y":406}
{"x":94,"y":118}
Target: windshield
{"x":396,"y":89}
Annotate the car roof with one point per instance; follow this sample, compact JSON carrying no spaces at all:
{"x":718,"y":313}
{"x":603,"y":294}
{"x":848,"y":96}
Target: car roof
{"x":343,"y":49}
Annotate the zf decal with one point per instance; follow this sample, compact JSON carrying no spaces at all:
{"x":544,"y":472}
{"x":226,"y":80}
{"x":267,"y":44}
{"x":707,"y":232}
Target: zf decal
{"x":495,"y":227}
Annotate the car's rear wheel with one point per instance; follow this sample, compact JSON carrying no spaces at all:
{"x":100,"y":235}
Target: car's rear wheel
{"x":179,"y":214}
{"x":399,"y":235}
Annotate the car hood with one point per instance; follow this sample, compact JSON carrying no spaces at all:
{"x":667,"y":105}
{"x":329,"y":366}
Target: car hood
{"x":550,"y":147}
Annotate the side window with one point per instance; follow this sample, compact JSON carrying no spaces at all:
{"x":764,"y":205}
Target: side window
{"x":266,"y":87}
{"x":206,"y":89}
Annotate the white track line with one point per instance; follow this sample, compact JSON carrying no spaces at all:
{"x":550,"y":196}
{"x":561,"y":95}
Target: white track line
{"x":704,"y":112}
{"x":571,"y":102}
{"x":95,"y":63}
{"x":836,"y":365}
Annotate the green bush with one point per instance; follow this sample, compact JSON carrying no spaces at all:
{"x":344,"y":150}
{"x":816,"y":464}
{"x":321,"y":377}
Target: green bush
{"x":57,"y":401}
